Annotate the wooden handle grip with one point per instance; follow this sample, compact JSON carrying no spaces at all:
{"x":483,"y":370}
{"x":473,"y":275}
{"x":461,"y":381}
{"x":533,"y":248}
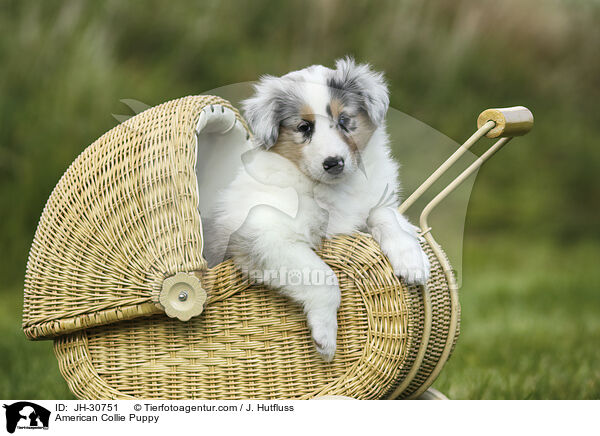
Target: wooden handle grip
{"x":510,"y":121}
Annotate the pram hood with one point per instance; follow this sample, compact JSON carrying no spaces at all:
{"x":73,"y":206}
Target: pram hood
{"x":125,"y":217}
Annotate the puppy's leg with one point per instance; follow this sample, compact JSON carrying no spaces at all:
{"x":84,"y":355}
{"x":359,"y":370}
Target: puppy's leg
{"x":272,"y":253}
{"x":302,"y":276}
{"x":398,"y":240}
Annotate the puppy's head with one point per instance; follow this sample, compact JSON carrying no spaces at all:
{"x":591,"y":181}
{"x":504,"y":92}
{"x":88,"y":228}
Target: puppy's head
{"x":320,"y":119}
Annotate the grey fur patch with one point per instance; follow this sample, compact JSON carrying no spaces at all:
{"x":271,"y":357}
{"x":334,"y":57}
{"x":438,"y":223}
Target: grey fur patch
{"x":357,"y":85}
{"x":277,"y":100}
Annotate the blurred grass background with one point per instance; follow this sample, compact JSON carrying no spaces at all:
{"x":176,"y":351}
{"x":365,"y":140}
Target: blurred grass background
{"x":530,"y":296}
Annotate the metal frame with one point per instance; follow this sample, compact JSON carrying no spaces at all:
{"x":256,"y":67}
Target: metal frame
{"x":492,"y":123}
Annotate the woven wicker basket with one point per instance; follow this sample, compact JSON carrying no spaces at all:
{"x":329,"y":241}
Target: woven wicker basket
{"x":121,"y":235}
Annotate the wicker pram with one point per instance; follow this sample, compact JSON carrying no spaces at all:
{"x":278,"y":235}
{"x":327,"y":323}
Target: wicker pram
{"x":116,"y":277}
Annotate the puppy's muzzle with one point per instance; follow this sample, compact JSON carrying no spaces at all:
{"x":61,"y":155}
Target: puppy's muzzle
{"x":334,"y":165}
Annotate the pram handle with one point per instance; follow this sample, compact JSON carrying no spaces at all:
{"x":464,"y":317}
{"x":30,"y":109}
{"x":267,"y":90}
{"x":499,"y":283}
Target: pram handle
{"x":510,"y":121}
{"x":493,"y":123}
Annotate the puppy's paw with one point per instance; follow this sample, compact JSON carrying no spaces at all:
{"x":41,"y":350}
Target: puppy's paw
{"x":325,"y":340}
{"x":408,"y":259}
{"x":324,"y":332}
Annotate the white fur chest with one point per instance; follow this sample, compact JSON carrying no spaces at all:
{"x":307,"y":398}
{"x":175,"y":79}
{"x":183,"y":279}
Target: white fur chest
{"x":346,"y":209}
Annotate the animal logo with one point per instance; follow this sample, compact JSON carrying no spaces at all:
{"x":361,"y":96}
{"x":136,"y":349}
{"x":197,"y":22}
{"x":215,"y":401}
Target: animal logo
{"x":25,"y":414}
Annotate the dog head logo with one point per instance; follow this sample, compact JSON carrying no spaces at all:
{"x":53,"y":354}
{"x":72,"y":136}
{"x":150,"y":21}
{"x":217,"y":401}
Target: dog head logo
{"x":26,"y":415}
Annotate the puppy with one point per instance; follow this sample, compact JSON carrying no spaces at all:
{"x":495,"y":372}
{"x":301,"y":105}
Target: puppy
{"x":321,"y":167}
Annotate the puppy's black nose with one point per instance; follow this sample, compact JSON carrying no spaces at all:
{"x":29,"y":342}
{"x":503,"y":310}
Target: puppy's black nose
{"x":334,"y":165}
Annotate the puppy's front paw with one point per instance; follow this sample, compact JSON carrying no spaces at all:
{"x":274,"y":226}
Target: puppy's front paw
{"x":408,"y":259}
{"x":323,"y":328}
{"x":325,"y":341}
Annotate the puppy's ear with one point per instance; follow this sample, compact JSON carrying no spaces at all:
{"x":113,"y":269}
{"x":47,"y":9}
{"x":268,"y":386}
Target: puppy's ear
{"x":261,"y":111}
{"x":359,"y":81}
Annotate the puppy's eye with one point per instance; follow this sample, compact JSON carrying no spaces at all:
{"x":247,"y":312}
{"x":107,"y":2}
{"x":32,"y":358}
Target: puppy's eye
{"x":344,"y":122}
{"x":305,"y":127}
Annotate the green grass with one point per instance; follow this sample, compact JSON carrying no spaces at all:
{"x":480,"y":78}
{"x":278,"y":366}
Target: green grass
{"x":530,"y":329}
{"x":530,"y":324}
{"x":29,"y":369}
